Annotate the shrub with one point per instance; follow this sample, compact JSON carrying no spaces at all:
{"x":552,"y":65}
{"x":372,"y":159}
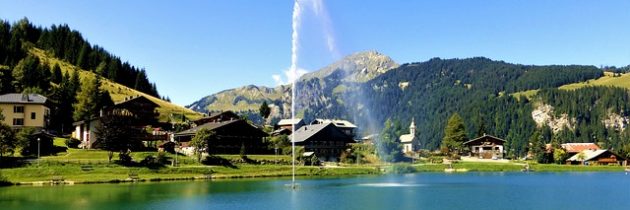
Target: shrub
{"x":72,"y":143}
{"x":402,"y":168}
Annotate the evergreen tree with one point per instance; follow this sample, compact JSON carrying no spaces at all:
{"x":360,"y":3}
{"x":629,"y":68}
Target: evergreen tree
{"x":89,"y":101}
{"x":264,"y":110}
{"x":389,"y":147}
{"x":56,"y":74}
{"x":454,"y":134}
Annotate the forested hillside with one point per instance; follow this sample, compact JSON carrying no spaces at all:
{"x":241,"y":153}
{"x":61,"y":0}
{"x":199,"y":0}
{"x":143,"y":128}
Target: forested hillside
{"x":68,"y":45}
{"x":60,"y":64}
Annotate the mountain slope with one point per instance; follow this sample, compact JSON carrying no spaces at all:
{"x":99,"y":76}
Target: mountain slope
{"x":118,"y":92}
{"x":358,"y":67}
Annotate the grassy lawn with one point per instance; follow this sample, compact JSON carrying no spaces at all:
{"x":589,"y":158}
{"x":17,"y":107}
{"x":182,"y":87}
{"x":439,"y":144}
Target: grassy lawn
{"x":69,"y":166}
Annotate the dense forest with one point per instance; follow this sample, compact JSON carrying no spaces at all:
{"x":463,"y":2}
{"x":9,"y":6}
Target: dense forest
{"x":479,"y":89}
{"x":69,"y":45}
{"x":74,"y":98}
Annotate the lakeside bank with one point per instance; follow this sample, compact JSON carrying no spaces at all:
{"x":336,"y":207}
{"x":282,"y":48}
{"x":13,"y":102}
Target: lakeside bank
{"x":72,"y":173}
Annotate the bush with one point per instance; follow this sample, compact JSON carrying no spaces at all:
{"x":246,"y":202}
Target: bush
{"x":4,"y":181}
{"x":125,"y":158}
{"x":72,"y":143}
{"x":401,"y":168}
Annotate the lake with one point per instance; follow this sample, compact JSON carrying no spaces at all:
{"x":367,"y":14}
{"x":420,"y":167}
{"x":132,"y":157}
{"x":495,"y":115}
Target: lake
{"x":411,"y":191}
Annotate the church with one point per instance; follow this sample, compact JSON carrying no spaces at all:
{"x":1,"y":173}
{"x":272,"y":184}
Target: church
{"x":410,"y":141}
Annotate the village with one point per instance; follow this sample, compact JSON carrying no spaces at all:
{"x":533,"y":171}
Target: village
{"x":130,"y":126}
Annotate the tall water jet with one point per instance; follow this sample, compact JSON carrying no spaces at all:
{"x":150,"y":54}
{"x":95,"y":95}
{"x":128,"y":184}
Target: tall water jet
{"x":294,"y":65}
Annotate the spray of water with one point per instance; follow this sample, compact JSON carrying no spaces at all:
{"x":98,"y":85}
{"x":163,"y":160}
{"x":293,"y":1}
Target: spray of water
{"x":294,"y":65}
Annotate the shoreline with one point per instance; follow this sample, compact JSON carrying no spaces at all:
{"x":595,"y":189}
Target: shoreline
{"x":322,"y":172}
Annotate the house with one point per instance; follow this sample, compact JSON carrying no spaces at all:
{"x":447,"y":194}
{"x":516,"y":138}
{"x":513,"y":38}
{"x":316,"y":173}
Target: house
{"x":596,"y":157}
{"x":345,"y":126}
{"x":139,"y":108}
{"x":574,"y":148}
{"x":231,"y":136}
{"x":286,"y":126}
{"x":25,"y":110}
{"x":486,"y":147}
{"x":218,"y":117}
{"x":409,"y":141}
{"x":325,"y":140}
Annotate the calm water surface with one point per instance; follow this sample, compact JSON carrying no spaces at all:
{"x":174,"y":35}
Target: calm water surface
{"x":412,"y":191}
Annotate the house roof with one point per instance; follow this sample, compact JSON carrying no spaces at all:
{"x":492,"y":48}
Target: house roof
{"x":20,"y":98}
{"x":326,"y":130}
{"x":338,"y":123}
{"x":578,"y":147}
{"x":218,"y":117}
{"x":224,"y":124}
{"x":483,"y":137}
{"x":138,"y":98}
{"x":290,"y":121}
{"x":588,"y":155}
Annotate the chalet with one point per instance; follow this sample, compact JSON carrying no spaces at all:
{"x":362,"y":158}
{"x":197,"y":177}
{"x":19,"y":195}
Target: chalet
{"x":218,"y":117}
{"x":574,"y":148}
{"x":25,"y":110}
{"x":486,"y":147}
{"x":231,"y":135}
{"x":325,"y":140}
{"x":139,"y":108}
{"x":345,"y":126}
{"x":596,"y":157}
{"x":286,"y":126}
{"x":409,"y":141}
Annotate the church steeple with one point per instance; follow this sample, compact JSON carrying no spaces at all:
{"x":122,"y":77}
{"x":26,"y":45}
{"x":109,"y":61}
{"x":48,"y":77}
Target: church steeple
{"x":412,"y":127}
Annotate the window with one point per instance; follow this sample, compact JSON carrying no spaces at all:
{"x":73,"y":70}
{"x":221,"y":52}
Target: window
{"x":33,"y":116}
{"x":18,"y":109}
{"x":18,"y":121}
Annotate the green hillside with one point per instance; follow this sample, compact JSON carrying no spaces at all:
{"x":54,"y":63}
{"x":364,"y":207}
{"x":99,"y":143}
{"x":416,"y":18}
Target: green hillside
{"x":609,"y":79}
{"x":118,"y":92}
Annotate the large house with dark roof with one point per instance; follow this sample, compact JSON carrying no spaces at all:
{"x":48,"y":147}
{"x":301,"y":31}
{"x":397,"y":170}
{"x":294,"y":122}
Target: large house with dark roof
{"x":325,"y":140}
{"x":232,"y":133}
{"x":25,"y":110}
{"x":345,"y":126}
{"x":140,"y":108}
{"x":486,"y":147}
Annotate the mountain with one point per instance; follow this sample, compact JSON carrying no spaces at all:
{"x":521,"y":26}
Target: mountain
{"x":358,"y":67}
{"x":563,"y":102}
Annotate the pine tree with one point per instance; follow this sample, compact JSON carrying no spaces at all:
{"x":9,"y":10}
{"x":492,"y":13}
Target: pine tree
{"x":264,"y":110}
{"x":88,"y":100}
{"x":454,"y":134}
{"x":56,"y":74}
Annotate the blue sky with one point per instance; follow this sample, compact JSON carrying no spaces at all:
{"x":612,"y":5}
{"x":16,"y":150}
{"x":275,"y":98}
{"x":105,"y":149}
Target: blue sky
{"x":194,"y":48}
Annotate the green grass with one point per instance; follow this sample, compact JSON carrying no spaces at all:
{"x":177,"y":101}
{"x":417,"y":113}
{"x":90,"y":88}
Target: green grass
{"x":117,"y":91}
{"x":528,"y":94}
{"x":607,"y":80}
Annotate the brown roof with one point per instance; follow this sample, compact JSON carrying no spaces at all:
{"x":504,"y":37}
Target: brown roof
{"x":484,"y":137}
{"x":579,"y":147}
{"x":243,"y":128}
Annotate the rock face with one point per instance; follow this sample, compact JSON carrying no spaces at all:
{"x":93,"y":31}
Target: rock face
{"x":315,"y":91}
{"x":616,"y":121}
{"x":543,"y":115}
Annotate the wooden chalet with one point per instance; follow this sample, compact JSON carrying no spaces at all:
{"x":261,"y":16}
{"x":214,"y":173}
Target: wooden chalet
{"x":596,"y":157}
{"x":140,"y":109}
{"x":231,"y":135}
{"x":345,"y":126}
{"x":326,"y":141}
{"x":289,"y":123}
{"x":217,"y":117}
{"x":486,"y":147}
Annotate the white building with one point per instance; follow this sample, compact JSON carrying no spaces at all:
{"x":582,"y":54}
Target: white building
{"x":409,"y":141}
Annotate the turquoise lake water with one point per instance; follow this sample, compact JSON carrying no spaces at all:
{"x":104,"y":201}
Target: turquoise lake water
{"x":411,"y":191}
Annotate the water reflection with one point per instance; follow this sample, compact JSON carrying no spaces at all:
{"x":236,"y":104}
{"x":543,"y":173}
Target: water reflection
{"x":427,"y":191}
